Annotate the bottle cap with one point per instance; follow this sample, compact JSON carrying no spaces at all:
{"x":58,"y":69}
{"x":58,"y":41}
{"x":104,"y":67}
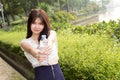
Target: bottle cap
{"x":43,"y":36}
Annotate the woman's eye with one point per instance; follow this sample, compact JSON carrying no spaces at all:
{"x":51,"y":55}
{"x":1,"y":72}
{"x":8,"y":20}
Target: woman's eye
{"x":40,"y":23}
{"x":33,"y":23}
{"x":37,"y":23}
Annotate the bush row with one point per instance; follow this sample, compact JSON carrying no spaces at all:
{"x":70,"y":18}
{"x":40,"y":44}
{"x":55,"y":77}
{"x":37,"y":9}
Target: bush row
{"x":86,"y":52}
{"x":112,"y":28}
{"x":89,"y":57}
{"x":82,"y":56}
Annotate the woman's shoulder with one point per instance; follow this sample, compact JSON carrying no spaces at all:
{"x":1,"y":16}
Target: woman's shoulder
{"x":52,"y":36}
{"x":25,"y":40}
{"x":52,"y":32}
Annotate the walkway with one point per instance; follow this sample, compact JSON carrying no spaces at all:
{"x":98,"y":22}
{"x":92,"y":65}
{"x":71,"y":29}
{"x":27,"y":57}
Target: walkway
{"x":9,"y":73}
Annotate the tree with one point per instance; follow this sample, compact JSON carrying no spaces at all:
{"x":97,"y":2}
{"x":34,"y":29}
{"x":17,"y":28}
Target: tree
{"x":76,"y":5}
{"x":5,"y":12}
{"x":104,"y":2}
{"x":10,"y":4}
{"x":67,"y":3}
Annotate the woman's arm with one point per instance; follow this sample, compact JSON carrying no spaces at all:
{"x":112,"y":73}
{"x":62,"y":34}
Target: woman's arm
{"x":52,"y":38}
{"x":34,"y":52}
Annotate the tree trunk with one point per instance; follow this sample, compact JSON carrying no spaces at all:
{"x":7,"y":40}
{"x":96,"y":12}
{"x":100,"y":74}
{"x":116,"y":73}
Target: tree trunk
{"x":67,"y":3}
{"x":5,"y":14}
{"x":10,"y":10}
{"x":59,"y":5}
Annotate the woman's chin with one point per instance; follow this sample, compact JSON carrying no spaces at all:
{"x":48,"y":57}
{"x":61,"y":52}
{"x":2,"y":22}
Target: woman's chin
{"x":36,"y":32}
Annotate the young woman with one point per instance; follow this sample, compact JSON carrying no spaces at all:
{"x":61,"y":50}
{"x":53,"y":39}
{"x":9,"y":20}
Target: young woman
{"x":38,"y":24}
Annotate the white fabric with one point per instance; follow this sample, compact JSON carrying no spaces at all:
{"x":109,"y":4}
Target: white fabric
{"x":52,"y":57}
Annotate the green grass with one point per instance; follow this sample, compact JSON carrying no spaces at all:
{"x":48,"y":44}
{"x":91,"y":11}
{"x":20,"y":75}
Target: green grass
{"x":13,"y":38}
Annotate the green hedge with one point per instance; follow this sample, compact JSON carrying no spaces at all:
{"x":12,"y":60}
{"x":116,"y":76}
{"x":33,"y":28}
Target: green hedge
{"x":82,"y":56}
{"x":11,"y":41}
{"x":89,"y":57}
{"x":86,"y":52}
{"x":112,"y":28}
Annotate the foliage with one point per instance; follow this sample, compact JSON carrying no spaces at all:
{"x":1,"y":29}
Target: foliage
{"x":89,"y":57}
{"x":112,"y":28}
{"x":18,"y":28}
{"x":62,"y":16}
{"x":116,"y":33}
{"x":22,"y":7}
{"x":50,"y":2}
{"x":45,"y":7}
{"x":60,"y":26}
{"x":86,"y":52}
{"x":92,"y":7}
{"x":18,"y":22}
{"x":11,"y":41}
{"x":82,"y":56}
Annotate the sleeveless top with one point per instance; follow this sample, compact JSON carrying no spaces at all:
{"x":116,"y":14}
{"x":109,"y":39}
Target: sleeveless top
{"x":52,"y":57}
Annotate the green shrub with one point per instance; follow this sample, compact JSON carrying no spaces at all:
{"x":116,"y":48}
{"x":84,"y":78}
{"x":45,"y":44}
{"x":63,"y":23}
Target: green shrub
{"x":112,"y":28}
{"x":116,"y":33}
{"x":11,"y":41}
{"x":86,"y":55}
{"x":18,"y":28}
{"x":21,"y":20}
{"x":62,"y":17}
{"x":89,"y":57}
{"x":60,"y":26}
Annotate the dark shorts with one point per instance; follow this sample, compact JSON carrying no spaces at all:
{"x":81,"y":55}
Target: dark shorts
{"x":52,"y":72}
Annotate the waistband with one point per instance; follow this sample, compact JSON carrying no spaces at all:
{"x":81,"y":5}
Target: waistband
{"x":55,"y":65}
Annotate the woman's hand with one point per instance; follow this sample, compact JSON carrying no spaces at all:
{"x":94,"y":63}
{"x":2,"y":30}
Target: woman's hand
{"x":45,"y":50}
{"x":48,"y":50}
{"x":40,"y":56}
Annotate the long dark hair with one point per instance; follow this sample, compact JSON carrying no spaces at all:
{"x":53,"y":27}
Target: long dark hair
{"x":38,"y":13}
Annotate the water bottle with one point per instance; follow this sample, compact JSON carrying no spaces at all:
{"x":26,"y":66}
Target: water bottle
{"x":43,"y":41}
{"x":43,"y":46}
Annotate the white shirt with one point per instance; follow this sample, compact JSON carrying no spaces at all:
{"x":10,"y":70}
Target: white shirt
{"x":52,"y":57}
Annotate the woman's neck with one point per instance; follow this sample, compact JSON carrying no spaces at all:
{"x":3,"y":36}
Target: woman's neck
{"x":34,"y":37}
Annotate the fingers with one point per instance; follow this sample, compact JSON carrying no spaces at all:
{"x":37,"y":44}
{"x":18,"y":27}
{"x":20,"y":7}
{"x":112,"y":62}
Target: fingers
{"x":45,"y":50}
{"x":48,"y":50}
{"x":41,"y":57}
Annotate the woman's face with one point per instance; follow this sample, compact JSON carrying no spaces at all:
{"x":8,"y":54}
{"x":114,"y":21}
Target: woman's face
{"x":37,"y":26}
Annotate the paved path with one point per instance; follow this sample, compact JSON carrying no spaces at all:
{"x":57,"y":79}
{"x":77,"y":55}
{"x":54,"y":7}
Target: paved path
{"x":9,"y":73}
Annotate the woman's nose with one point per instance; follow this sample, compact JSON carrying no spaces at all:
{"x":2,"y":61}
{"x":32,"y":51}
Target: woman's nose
{"x":37,"y":25}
